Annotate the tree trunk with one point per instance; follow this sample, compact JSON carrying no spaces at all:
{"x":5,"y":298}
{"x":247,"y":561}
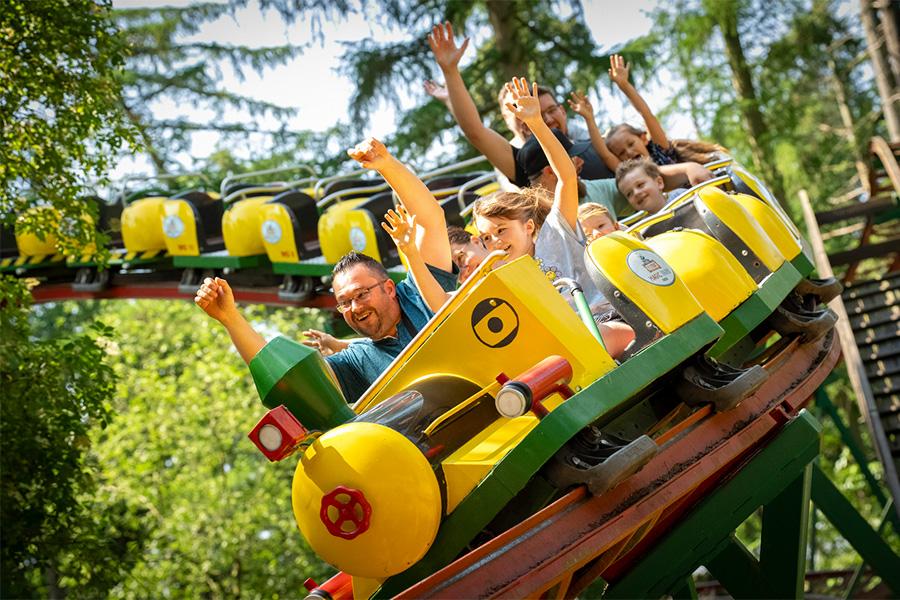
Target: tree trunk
{"x":155,"y":156}
{"x":684,"y":62}
{"x":889,"y":100}
{"x":725,"y":16}
{"x":840,"y":93}
{"x":511,"y":48}
{"x":888,"y":12}
{"x":54,"y":592}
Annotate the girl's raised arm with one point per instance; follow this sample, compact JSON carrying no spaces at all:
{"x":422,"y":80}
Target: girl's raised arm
{"x":618,"y":72}
{"x":527,"y":107}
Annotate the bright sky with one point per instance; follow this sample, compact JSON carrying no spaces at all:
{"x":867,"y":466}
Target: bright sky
{"x":310,"y":82}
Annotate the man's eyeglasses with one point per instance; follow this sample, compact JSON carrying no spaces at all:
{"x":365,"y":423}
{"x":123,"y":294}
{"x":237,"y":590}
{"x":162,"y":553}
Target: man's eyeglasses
{"x":360,"y":296}
{"x":550,"y":111}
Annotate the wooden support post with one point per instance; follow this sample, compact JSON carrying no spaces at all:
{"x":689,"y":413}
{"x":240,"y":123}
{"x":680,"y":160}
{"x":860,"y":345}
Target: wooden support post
{"x":855,"y":369}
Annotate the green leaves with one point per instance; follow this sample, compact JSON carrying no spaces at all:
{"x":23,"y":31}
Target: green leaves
{"x":53,"y":394}
{"x":60,"y":112}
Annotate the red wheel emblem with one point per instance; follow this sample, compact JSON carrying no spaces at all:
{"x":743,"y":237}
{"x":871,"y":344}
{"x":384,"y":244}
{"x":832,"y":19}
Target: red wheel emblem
{"x":345,"y":512}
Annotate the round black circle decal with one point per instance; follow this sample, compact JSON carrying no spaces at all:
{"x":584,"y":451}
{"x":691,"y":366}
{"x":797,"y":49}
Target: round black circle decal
{"x":495,"y":322}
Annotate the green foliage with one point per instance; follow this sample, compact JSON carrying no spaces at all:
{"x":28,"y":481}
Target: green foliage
{"x":795,"y":49}
{"x":58,"y":533}
{"x":59,"y":108}
{"x":218,"y":512}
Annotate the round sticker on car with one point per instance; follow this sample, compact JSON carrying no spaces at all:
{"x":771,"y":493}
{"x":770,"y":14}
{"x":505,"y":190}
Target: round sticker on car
{"x":650,"y":267}
{"x":271,"y":231}
{"x":173,"y":226}
{"x":357,"y":239}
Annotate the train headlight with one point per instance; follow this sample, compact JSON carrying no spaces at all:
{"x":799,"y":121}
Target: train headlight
{"x":278,"y":434}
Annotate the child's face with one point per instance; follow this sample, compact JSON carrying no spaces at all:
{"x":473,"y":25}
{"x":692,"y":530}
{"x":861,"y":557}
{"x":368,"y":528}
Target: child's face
{"x":626,"y":145}
{"x":642,"y":191}
{"x":468,"y":256}
{"x":597,"y":225}
{"x":515,"y":237}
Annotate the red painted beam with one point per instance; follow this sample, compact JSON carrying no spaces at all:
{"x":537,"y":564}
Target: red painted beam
{"x":57,"y":292}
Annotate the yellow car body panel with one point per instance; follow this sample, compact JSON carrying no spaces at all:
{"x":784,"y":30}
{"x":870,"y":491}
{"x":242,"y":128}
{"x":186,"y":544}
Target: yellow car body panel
{"x":361,"y":234}
{"x":179,"y":226}
{"x":277,"y":233}
{"x":142,"y":225}
{"x":503,"y":321}
{"x":633,"y":268}
{"x":742,"y":223}
{"x":783,"y":238}
{"x":335,"y":233}
{"x":240,"y":227}
{"x":30,"y":244}
{"x":526,"y":319}
{"x":763,"y":192}
{"x":712,"y":273}
{"x":391,"y":475}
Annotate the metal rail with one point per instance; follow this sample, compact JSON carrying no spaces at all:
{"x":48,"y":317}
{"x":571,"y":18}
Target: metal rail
{"x":165,"y":177}
{"x":232,"y":178}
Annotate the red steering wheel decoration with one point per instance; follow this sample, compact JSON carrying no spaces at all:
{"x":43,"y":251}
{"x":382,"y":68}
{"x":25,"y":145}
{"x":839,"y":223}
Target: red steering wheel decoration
{"x":350,"y":506}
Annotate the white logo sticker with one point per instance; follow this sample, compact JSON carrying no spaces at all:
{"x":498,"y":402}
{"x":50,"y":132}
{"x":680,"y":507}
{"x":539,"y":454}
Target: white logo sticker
{"x":271,"y":231}
{"x":357,"y":239}
{"x":650,"y":267}
{"x":173,"y":226}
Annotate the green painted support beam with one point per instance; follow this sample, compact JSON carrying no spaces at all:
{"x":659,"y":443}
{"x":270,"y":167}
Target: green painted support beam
{"x":687,"y":590}
{"x":785,"y":529}
{"x":865,"y":540}
{"x":857,"y":574}
{"x":705,"y":532}
{"x":738,"y":571}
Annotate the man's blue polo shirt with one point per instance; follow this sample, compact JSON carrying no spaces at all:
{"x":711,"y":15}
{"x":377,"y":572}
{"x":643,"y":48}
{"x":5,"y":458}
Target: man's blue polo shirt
{"x":365,"y":360}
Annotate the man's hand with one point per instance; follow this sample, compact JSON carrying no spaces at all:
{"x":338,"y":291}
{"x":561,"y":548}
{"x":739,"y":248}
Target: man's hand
{"x":437,"y":91}
{"x":371,"y":154}
{"x":618,"y":70}
{"x":401,"y":226}
{"x":525,"y":105}
{"x":325,"y":343}
{"x":444,"y":48}
{"x":580,"y":104}
{"x":216,"y":299}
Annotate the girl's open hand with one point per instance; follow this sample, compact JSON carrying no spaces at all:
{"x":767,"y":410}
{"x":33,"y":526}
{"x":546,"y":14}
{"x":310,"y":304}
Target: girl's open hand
{"x":525,"y":104}
{"x":443,"y":45}
{"x":437,"y":91}
{"x":401,"y":226}
{"x":618,"y":70}
{"x":370,"y":153}
{"x":580,"y":104}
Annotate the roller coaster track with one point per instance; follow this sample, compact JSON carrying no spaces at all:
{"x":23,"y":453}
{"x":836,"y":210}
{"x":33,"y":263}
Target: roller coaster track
{"x":563,"y":548}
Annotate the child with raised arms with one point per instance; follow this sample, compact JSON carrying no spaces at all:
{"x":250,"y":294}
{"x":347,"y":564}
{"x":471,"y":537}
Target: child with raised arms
{"x":533,"y":223}
{"x":628,"y":142}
